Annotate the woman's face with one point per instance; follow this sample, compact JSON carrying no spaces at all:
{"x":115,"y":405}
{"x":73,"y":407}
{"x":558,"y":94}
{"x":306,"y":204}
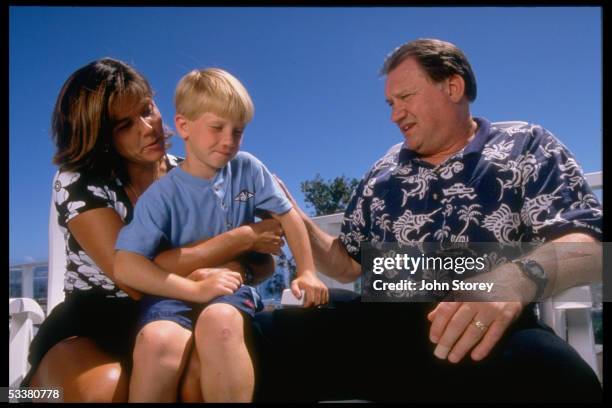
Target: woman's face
{"x":138,"y":134}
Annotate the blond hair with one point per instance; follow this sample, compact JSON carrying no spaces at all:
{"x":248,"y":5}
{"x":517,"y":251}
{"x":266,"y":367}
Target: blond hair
{"x":213,"y":90}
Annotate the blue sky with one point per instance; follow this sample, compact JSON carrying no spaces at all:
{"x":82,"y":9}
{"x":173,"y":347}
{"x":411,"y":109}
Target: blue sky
{"x":312,"y":73}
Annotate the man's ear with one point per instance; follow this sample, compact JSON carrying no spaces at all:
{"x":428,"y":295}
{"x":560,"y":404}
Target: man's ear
{"x":456,"y":87}
{"x":182,"y":125}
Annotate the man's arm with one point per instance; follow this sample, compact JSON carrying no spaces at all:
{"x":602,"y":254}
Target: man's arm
{"x":573,"y":259}
{"x":570,"y":260}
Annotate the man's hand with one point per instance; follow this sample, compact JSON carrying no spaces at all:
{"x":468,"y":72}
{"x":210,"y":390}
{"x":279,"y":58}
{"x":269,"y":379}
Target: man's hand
{"x":315,"y":291}
{"x":266,"y":236}
{"x":211,"y":283}
{"x":458,"y":327}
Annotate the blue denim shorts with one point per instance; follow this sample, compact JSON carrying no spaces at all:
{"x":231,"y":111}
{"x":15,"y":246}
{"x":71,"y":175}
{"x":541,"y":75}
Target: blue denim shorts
{"x":152,"y":308}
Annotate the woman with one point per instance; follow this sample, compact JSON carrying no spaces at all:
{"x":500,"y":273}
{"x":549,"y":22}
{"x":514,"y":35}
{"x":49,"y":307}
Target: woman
{"x":111,"y":145}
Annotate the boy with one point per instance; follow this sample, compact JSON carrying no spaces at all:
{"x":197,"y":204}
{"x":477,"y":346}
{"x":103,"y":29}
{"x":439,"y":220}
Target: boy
{"x":216,"y":188}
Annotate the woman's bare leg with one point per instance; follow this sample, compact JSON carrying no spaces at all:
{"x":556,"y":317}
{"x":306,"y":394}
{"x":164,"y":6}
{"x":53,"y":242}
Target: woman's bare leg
{"x":83,"y":371}
{"x":190,"y":389}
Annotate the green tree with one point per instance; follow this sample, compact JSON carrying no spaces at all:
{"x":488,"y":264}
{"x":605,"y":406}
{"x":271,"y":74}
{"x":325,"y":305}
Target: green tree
{"x":328,"y":197}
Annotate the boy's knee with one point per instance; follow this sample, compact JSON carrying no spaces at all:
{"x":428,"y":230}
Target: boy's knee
{"x":161,"y":341}
{"x":220,"y":324}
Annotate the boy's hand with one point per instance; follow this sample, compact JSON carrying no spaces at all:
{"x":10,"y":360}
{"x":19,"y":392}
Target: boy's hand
{"x":211,"y":283}
{"x":315,"y":291}
{"x":266,"y":236}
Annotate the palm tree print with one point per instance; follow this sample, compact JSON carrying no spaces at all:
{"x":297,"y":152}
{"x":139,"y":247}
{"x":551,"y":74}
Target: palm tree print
{"x":468,"y":214}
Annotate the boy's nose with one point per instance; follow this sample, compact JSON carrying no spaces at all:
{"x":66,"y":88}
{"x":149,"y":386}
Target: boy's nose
{"x":228,"y":138}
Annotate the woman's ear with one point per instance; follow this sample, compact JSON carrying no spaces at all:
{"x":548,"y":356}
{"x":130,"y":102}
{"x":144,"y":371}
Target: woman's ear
{"x":181,"y":124}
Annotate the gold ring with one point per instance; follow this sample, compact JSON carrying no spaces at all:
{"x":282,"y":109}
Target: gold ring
{"x":481,"y":326}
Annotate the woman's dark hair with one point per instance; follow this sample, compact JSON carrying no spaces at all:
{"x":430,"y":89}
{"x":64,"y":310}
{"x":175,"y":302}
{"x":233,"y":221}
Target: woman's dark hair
{"x":83,"y":118}
{"x":439,"y":59}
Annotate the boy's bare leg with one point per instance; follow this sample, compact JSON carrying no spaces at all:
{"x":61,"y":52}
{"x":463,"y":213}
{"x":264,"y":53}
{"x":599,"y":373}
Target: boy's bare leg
{"x":160,"y":356}
{"x":227,"y":370}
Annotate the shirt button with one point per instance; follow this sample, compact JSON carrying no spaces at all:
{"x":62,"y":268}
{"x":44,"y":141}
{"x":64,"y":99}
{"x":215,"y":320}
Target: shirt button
{"x":435,"y":196}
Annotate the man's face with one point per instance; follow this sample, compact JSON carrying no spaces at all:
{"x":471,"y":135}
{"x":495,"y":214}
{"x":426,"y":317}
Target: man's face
{"x":421,"y":108}
{"x":212,"y":140}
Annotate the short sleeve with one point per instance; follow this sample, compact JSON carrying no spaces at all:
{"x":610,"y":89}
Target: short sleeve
{"x":74,"y":194}
{"x":355,"y":224}
{"x":146,"y":233}
{"x":558,"y":199}
{"x":268,"y":194}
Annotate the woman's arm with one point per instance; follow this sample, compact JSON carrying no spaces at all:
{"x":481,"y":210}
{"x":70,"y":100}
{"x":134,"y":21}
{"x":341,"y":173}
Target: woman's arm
{"x":96,"y":232}
{"x":264,"y":237}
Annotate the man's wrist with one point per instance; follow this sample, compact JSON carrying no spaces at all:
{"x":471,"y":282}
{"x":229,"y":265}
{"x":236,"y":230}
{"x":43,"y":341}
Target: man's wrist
{"x":535,"y":273}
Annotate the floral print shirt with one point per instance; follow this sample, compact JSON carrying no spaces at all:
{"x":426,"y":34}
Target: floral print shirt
{"x":75,"y":193}
{"x":514,"y":182}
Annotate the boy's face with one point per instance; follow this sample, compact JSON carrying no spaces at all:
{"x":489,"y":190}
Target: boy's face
{"x":210,"y":141}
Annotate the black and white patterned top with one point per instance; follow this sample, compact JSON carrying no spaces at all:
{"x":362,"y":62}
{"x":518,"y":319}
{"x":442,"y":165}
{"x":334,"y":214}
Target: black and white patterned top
{"x":510,"y":184}
{"x":75,"y":193}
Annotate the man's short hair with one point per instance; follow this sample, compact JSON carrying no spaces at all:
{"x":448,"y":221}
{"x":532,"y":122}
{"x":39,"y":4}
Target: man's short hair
{"x":213,"y":90}
{"x":439,"y":59}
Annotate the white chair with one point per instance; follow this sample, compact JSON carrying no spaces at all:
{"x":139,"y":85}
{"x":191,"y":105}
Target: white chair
{"x":25,"y":312}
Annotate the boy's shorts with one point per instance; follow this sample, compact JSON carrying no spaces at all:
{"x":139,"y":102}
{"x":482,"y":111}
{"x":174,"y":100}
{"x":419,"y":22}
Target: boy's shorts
{"x":153,"y":308}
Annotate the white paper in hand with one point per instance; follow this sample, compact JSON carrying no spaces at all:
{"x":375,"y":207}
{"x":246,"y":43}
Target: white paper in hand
{"x":288,"y":299}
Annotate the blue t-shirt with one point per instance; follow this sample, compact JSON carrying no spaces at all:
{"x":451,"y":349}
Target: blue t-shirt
{"x":510,"y":184}
{"x":179,"y":208}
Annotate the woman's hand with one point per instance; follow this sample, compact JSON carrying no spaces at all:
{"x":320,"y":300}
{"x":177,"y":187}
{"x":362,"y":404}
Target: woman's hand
{"x":266,"y":236}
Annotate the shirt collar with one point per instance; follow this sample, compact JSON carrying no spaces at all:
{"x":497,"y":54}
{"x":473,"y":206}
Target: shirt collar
{"x":475,"y":146}
{"x":216,"y":181}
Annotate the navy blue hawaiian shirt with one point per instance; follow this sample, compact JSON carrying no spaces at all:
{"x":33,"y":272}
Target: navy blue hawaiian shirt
{"x":514,"y":182}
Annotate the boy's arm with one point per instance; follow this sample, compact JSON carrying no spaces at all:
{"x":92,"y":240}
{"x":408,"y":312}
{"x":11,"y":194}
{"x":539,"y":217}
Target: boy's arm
{"x":139,"y":272}
{"x":264,"y":237}
{"x":330,"y":255}
{"x":297,"y":238}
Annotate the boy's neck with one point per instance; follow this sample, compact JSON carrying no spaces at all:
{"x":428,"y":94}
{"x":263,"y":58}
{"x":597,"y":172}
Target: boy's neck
{"x":198,"y":169}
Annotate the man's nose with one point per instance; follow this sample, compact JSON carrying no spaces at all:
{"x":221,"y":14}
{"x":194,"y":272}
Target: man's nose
{"x":397,"y":114}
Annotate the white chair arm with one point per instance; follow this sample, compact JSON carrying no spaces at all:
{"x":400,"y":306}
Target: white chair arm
{"x":578,"y":297}
{"x":24,"y":313}
{"x":569,"y":314}
{"x":27,"y":306}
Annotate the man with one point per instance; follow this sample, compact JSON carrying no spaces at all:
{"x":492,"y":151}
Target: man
{"x":461,"y":179}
